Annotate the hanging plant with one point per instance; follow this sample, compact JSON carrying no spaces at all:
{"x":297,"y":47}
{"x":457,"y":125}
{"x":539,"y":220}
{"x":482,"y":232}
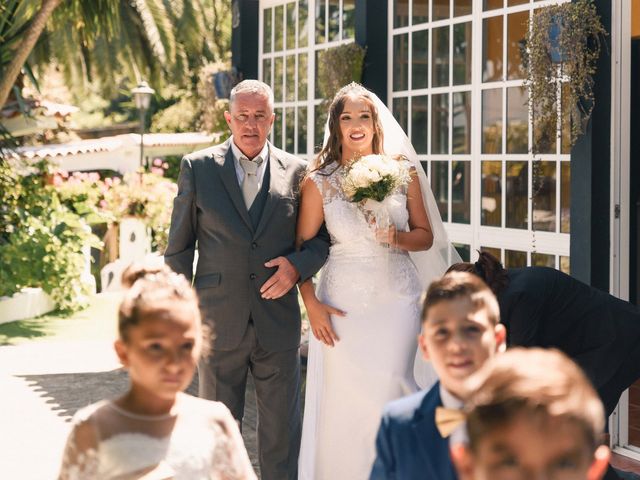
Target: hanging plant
{"x":339,"y":66}
{"x":562,"y":47}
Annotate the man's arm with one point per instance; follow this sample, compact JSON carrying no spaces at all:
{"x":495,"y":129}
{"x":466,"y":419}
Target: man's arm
{"x":312,"y":254}
{"x":182,"y":233}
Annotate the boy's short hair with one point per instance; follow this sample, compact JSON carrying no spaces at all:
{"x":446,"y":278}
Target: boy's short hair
{"x":456,"y":285}
{"x":542,"y":384}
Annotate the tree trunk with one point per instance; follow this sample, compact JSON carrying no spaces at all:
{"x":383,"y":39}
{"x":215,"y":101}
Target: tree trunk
{"x":31,"y":36}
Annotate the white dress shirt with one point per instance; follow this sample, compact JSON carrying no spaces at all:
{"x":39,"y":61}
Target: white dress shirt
{"x":449,"y":400}
{"x":264,"y":154}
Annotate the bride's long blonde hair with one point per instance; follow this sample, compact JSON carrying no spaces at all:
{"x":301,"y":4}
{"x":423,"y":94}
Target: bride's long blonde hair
{"x":332,"y":151}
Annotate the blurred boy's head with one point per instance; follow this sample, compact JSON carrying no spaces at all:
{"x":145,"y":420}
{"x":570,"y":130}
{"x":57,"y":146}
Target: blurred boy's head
{"x":460,"y":328}
{"x":532,"y":414}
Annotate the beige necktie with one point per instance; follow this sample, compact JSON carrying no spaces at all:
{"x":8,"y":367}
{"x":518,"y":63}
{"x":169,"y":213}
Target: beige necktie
{"x":250,"y":183}
{"x":448,"y":419}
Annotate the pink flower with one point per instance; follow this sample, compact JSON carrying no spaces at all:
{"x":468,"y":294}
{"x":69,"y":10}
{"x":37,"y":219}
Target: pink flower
{"x":165,"y":165}
{"x":57,"y":180}
{"x":94,"y":177}
{"x":103,"y":204}
{"x":157,"y":162}
{"x":157,"y":171}
{"x":64,"y":174}
{"x":117,"y":181}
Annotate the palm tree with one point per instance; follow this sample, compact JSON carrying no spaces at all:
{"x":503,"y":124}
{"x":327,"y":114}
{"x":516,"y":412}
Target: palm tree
{"x":109,"y":40}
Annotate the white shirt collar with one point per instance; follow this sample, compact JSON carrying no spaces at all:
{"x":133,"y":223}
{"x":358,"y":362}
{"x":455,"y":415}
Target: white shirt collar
{"x":264,"y":153}
{"x":449,"y":400}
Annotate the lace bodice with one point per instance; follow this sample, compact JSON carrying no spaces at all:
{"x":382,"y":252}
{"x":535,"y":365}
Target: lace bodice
{"x":199,"y":440}
{"x":350,"y":224}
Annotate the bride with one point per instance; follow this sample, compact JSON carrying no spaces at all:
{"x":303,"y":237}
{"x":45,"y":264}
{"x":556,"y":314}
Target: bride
{"x":365,"y":313}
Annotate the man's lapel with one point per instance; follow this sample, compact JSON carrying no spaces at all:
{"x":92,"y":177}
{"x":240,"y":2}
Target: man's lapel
{"x":277,"y":188}
{"x":433,"y":448}
{"x":229,"y":179}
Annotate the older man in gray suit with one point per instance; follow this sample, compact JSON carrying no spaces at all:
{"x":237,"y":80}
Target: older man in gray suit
{"x":238,"y":202}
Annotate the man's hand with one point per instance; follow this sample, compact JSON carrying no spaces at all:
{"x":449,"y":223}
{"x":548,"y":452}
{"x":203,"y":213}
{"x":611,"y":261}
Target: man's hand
{"x":280,"y":282}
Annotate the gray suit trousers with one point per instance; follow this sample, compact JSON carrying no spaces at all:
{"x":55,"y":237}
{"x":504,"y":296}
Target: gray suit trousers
{"x":223,"y":377}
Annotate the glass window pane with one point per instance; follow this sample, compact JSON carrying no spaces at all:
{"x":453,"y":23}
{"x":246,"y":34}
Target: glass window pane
{"x":321,"y":35}
{"x":420,"y":11}
{"x":462,"y":53}
{"x":318,"y":56}
{"x":492,"y":49}
{"x":303,"y":23}
{"x":491,"y":201}
{"x":496,"y":252}
{"x":517,"y":25}
{"x":440,"y":9}
{"x":517,"y":120}
{"x":544,"y":187}
{"x":291,"y":25}
{"x":266,"y":29}
{"x":266,"y":72}
{"x":492,"y":121}
{"x":464,"y":251}
{"x":419,"y":111}
{"x":302,"y":76}
{"x":401,"y":62}
{"x":566,"y":122}
{"x":334,"y":20}
{"x":517,"y":195}
{"x":515,"y":259}
{"x":543,"y":260}
{"x":565,"y":197}
{"x":440,"y":187}
{"x":565,"y":265}
{"x":462,"y":7}
{"x":461,"y":122}
{"x":320,"y":120}
{"x":277,"y":128}
{"x":278,"y":65}
{"x":491,"y":4}
{"x":400,"y":13}
{"x":302,"y":130}
{"x":348,"y":18}
{"x":400,"y":106}
{"x":290,"y":78}
{"x":544,"y":132}
{"x":440,"y":57}
{"x":440,"y":123}
{"x":461,"y":191}
{"x":511,"y":3}
{"x":278,"y":28}
{"x":290,"y":128}
{"x":419,"y":59}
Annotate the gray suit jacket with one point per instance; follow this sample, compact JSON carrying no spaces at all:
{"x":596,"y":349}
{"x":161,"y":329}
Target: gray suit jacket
{"x":209,"y":210}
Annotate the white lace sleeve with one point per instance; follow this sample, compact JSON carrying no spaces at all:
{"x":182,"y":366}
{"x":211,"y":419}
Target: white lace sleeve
{"x":327,"y":179}
{"x":80,"y":459}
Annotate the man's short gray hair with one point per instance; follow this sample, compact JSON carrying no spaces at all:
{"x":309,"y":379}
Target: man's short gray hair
{"x":252,"y":86}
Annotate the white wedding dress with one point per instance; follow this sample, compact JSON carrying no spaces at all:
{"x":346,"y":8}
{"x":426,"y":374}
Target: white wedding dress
{"x":376,"y":359}
{"x":349,"y":384}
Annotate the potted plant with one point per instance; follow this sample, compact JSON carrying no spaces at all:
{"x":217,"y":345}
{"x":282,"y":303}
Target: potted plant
{"x":562,"y":46}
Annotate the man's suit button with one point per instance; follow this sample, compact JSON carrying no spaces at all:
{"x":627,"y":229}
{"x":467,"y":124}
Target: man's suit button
{"x":254,"y":245}
{"x":252,"y":276}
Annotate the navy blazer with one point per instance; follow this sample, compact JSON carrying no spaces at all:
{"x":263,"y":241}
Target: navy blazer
{"x":409,"y":444}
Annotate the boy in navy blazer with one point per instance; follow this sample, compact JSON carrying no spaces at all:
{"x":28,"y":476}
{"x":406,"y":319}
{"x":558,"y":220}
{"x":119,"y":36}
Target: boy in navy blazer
{"x":460,"y":330}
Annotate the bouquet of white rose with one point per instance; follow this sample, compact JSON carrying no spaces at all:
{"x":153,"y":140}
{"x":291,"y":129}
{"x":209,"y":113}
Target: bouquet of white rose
{"x":374,"y":177}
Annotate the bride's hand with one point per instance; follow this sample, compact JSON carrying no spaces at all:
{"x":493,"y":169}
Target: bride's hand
{"x":320,"y":320}
{"x":387,"y":236}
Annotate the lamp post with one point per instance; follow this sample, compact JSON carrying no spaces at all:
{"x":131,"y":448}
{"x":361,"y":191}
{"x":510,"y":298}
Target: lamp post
{"x":142,"y":95}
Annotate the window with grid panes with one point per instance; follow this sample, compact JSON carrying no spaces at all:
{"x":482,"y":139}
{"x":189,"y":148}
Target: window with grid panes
{"x":456,"y":86}
{"x":292,"y":35}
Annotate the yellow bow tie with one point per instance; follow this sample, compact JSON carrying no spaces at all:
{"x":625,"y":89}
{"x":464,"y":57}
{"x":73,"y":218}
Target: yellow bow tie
{"x":448,"y":419}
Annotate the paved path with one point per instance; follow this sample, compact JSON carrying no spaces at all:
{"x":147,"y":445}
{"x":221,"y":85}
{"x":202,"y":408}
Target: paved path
{"x":42,"y":384}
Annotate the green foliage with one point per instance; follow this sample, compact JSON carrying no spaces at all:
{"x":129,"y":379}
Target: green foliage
{"x":41,"y":238}
{"x":147,"y":196}
{"x":182,"y":116}
{"x":339,"y":66}
{"x":377,"y":191}
{"x":580,"y":34}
